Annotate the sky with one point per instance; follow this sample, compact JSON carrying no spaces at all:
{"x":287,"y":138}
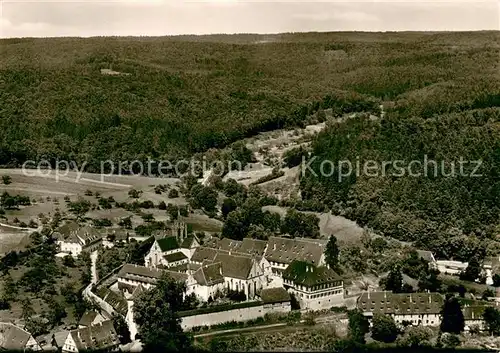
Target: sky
{"x":87,"y":18}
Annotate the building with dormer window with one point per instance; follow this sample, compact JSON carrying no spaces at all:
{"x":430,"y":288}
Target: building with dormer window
{"x":314,"y":287}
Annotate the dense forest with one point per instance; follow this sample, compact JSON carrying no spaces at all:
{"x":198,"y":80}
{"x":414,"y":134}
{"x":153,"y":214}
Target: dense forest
{"x":182,"y":95}
{"x":188,"y":94}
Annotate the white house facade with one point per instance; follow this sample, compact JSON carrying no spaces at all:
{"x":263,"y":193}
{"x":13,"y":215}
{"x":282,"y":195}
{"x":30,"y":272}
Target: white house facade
{"x":414,"y":308}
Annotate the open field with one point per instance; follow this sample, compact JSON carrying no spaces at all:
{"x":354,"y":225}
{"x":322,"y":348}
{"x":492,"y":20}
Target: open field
{"x":345,"y":230}
{"x":11,"y":239}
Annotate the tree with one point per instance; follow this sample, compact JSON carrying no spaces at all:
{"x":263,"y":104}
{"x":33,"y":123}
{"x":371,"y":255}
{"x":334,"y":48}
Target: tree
{"x":450,"y":340}
{"x":295,"y":156}
{"x":135,"y":194}
{"x":27,"y":309}
{"x":9,"y":289}
{"x":491,"y":318}
{"x":203,"y":197}
{"x":496,"y":280}
{"x":162,"y":205}
{"x":69,"y":261}
{"x":384,"y":328}
{"x":358,"y":326}
{"x":416,"y":336}
{"x":156,"y":316}
{"x":430,"y":281}
{"x":472,"y":271}
{"x":394,"y":281}
{"x":56,"y":312}
{"x":488,"y":293}
{"x":79,"y":208}
{"x":173,"y":194}
{"x":121,"y":329}
{"x":452,"y":316}
{"x":378,"y":244}
{"x":126,"y":222}
{"x":6,"y":179}
{"x":332,"y":253}
{"x":300,"y":224}
{"x":148,"y":217}
{"x":228,"y":205}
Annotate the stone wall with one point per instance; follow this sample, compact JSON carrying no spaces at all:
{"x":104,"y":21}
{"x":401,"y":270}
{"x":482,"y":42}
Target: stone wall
{"x":236,"y":314}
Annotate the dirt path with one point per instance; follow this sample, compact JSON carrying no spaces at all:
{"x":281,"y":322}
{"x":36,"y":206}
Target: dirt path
{"x":19,"y":228}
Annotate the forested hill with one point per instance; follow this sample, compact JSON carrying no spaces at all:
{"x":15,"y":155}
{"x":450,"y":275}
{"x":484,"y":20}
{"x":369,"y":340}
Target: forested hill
{"x":187,"y":94}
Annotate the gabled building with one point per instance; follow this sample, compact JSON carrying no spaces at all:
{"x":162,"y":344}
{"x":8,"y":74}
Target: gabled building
{"x":14,"y":338}
{"x":427,"y":256}
{"x":101,"y":337}
{"x":189,"y":245}
{"x":223,"y":270}
{"x":207,"y":281}
{"x":473,"y":317}
{"x":281,"y":252}
{"x":73,"y":239}
{"x":131,"y":275}
{"x":202,"y":254}
{"x":414,"y":308}
{"x":160,"y":248}
{"x":314,"y":287}
{"x":90,"y":318}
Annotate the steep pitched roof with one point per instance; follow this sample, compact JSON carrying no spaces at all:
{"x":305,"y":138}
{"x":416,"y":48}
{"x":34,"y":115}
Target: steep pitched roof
{"x":100,"y":336}
{"x":13,"y":337}
{"x":253,"y":246}
{"x":189,"y":241}
{"x":174,"y":257}
{"x":474,"y":312}
{"x":136,"y":270}
{"x":426,"y":255}
{"x":65,"y":230}
{"x":203,"y":253}
{"x":209,"y":275}
{"x":285,"y":250}
{"x":88,"y":318}
{"x":168,"y":243}
{"x":185,"y":267}
{"x":400,"y":303}
{"x":89,"y":234}
{"x":274,"y":295}
{"x":224,"y":244}
{"x":146,"y":274}
{"x":116,"y":300}
{"x":229,"y":244}
{"x":137,"y":291}
{"x":234,"y":266}
{"x":306,"y":274}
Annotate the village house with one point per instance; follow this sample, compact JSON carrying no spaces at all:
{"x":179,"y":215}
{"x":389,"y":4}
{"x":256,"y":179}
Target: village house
{"x":449,"y":267}
{"x":14,"y":338}
{"x":90,"y":318}
{"x":98,"y":337}
{"x":473,"y":316}
{"x":427,"y":256}
{"x":314,"y":287}
{"x":73,"y":239}
{"x":414,"y":308}
{"x":131,"y":275}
